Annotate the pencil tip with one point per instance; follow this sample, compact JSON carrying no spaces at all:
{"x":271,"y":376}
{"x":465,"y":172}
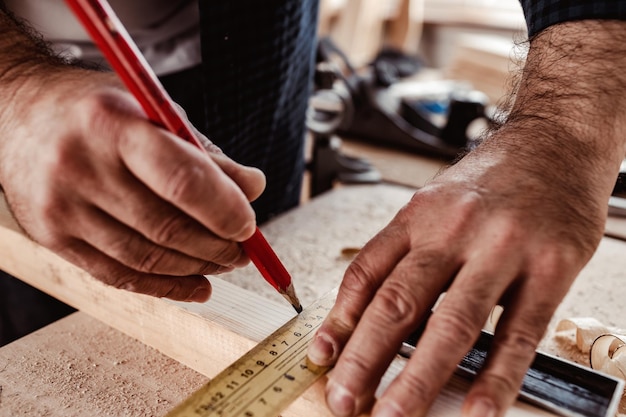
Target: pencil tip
{"x":290,"y":294}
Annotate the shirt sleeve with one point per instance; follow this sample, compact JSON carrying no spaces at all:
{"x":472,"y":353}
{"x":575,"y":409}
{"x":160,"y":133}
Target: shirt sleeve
{"x":543,"y":13}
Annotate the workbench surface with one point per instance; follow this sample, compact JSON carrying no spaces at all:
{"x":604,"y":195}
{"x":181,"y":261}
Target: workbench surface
{"x":81,"y":366}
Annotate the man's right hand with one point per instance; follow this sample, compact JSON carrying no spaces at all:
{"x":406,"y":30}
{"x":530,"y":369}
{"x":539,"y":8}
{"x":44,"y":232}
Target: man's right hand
{"x":88,"y":176}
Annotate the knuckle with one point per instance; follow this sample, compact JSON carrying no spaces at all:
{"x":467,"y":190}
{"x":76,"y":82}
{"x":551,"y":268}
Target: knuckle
{"x":58,"y":159}
{"x":354,"y":363}
{"x":96,"y":109}
{"x":182,"y":181}
{"x":227,"y":254}
{"x":175,"y":288}
{"x":555,"y":261}
{"x":434,"y":258}
{"x":151,"y":259}
{"x":395,"y":303}
{"x":338,"y":328}
{"x":358,"y":280}
{"x":122,"y":280}
{"x":119,"y":249}
{"x":500,"y":382}
{"x":417,"y":388}
{"x":211,"y":268}
{"x":519,"y":344}
{"x":171,"y":229}
{"x":425,"y":195}
{"x":454,"y":327}
{"x":92,"y":104}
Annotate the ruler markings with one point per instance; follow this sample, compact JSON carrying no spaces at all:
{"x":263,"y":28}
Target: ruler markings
{"x":266,"y":379}
{"x":296,"y":350}
{"x":296,"y":355}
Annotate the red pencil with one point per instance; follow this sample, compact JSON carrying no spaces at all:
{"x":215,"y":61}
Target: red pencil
{"x":109,"y":34}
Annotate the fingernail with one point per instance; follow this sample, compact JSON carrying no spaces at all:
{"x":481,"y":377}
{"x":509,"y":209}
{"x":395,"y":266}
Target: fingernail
{"x":213,"y":148}
{"x":387,"y":409}
{"x":481,"y":407}
{"x":200,"y":294}
{"x":339,"y":399}
{"x":321,"y":352}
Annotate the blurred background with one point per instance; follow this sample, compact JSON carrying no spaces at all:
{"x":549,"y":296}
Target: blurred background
{"x":472,"y":40}
{"x":406,"y":86}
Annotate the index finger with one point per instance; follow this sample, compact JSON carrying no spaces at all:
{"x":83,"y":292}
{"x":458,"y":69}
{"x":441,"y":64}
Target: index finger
{"x":399,"y":306}
{"x":186,"y":177}
{"x":361,"y":281}
{"x":450,"y":333}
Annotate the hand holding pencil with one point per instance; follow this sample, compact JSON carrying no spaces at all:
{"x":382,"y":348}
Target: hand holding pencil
{"x":126,"y":59}
{"x":83,"y":177}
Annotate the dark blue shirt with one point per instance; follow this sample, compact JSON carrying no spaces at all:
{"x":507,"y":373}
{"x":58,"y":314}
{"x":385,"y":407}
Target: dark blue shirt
{"x":543,"y":13}
{"x":258,"y":59}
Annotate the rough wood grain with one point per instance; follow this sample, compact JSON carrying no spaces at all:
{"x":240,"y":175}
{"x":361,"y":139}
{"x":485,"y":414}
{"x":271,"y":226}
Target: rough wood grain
{"x":204,"y":337}
{"x":208,"y":337}
{"x":79,"y":366}
{"x":193,"y":336}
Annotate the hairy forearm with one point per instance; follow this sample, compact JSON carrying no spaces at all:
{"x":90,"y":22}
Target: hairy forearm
{"x":562,"y":142}
{"x":575,"y":77}
{"x":26,"y":64}
{"x":569,"y":104}
{"x":23,"y":53}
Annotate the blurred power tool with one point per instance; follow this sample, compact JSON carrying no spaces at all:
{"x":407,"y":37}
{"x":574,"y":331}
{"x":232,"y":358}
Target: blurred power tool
{"x":383,"y":105}
{"x":330,"y":107}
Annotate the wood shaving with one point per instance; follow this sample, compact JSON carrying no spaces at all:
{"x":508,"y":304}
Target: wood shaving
{"x":603,"y":344}
{"x":349,"y":253}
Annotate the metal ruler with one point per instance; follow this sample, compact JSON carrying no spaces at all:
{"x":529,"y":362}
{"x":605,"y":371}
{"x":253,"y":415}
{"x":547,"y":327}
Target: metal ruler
{"x":269,"y":377}
{"x":273,"y":374}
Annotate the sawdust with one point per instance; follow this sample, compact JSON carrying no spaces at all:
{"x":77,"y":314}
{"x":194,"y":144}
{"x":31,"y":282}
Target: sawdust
{"x":54,"y":382}
{"x":597,"y":292}
{"x":60,"y":381}
{"x":563,"y":345}
{"x":336,"y":216}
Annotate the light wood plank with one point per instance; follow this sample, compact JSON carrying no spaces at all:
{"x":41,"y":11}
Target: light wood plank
{"x":79,"y":366}
{"x":206,"y":338}
{"x":359,"y":30}
{"x":196,"y":337}
{"x":494,"y":14}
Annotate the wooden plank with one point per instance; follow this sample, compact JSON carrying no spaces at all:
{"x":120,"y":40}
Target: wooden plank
{"x":405,"y":28}
{"x":206,"y":339}
{"x":79,"y":366}
{"x":491,"y":14}
{"x":359,"y":30}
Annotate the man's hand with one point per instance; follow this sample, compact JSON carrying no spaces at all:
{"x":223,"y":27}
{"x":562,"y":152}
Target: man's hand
{"x":512,"y":224}
{"x":88,"y":176}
